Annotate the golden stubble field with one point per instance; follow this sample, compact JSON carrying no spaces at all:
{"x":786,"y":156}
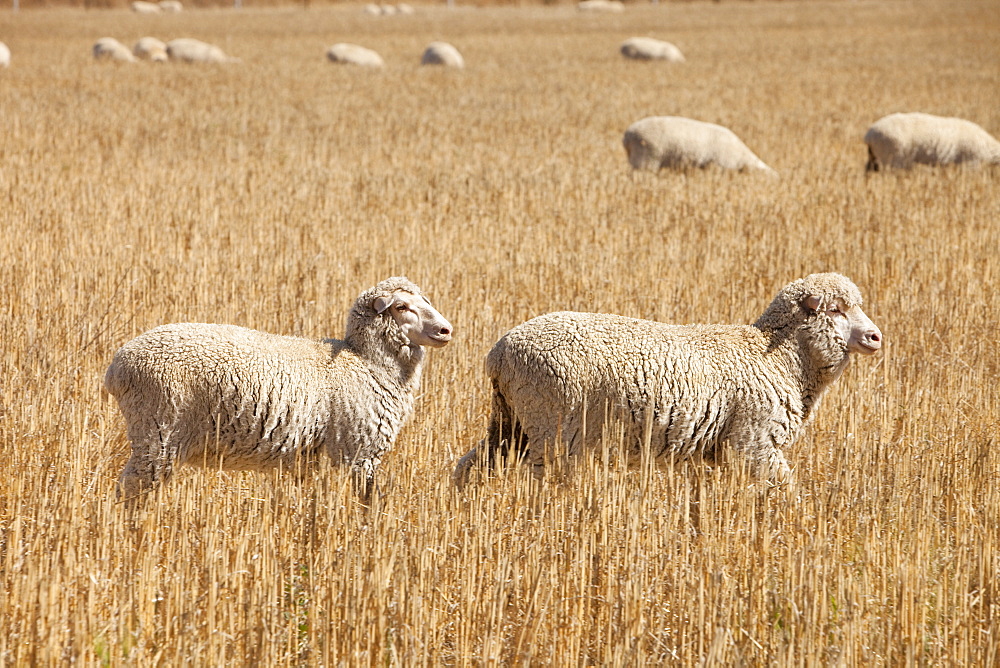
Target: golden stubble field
{"x":270,"y":193}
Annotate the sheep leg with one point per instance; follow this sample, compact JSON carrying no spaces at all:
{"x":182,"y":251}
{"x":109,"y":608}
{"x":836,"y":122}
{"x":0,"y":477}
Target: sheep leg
{"x":872,"y":165}
{"x":142,"y":473}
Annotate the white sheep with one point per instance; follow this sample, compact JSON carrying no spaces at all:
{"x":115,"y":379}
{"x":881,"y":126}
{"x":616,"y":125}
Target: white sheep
{"x":150,"y":48}
{"x":188,"y":50}
{"x":171,"y":6}
{"x":679,"y":143}
{"x":4,"y":55}
{"x":688,"y":389}
{"x":900,"y":141}
{"x":442,"y":53}
{"x":647,"y":48}
{"x":109,"y":48}
{"x":236,"y":398}
{"x":352,"y":54}
{"x":405,"y":9}
{"x":143,"y":7}
{"x":372,"y":9}
{"x":608,"y":6}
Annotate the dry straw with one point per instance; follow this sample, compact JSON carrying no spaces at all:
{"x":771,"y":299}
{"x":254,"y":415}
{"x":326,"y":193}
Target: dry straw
{"x":270,"y":193}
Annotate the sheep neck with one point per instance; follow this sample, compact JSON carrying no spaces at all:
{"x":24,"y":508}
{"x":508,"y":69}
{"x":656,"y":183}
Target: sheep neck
{"x":393,"y":358}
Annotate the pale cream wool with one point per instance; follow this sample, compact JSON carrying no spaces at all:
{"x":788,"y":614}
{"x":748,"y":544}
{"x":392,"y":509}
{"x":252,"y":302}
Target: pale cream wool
{"x":900,"y":141}
{"x":143,"y":7}
{"x":242,"y":399}
{"x":680,"y":143}
{"x":442,"y":53}
{"x":110,"y":49}
{"x":695,"y":388}
{"x":150,"y":48}
{"x":188,"y":50}
{"x":353,"y":54}
{"x":647,"y":48}
{"x":4,"y":55}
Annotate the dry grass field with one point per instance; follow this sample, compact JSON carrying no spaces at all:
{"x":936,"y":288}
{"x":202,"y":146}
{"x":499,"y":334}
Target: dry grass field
{"x":270,"y":193}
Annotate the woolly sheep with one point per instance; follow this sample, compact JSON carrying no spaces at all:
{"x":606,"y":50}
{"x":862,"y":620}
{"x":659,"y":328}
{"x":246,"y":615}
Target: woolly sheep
{"x":679,"y":143}
{"x":109,"y":48}
{"x":240,"y":399}
{"x":190,"y":50}
{"x":171,"y":6}
{"x":150,"y":48}
{"x":353,"y":54}
{"x":142,"y":7}
{"x":442,"y":53}
{"x":610,"y":6}
{"x":647,"y":48}
{"x":688,"y":388}
{"x":372,"y":9}
{"x":4,"y":55}
{"x":900,"y":141}
{"x":406,"y":9}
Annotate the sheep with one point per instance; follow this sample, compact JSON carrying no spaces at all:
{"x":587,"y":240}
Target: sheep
{"x":109,"y":48}
{"x":900,"y":141}
{"x":442,"y":53}
{"x":647,"y":48}
{"x":171,"y":6}
{"x":679,"y":143}
{"x":190,"y":50}
{"x":142,"y":7}
{"x":240,"y":399}
{"x":4,"y":55}
{"x":405,"y":9}
{"x":372,"y":9}
{"x":688,"y":389}
{"x":610,"y":6}
{"x":353,"y":54}
{"x":150,"y":48}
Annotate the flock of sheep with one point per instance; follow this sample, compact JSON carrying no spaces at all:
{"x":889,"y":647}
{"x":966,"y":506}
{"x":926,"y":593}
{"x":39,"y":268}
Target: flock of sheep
{"x":235,"y":398}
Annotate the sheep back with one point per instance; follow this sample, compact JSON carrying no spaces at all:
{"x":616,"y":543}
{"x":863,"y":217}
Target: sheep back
{"x":902,"y":140}
{"x":679,"y":143}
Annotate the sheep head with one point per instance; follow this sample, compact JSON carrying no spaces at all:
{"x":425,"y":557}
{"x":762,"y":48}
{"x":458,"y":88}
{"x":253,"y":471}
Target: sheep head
{"x":395,"y":315}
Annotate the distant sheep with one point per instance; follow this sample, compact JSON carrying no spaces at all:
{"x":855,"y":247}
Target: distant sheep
{"x":150,"y":48}
{"x":352,"y":54}
{"x":405,"y":9}
{"x":647,"y":48}
{"x":239,"y":399}
{"x":4,"y":55}
{"x":442,"y":53}
{"x":899,"y":141}
{"x":142,"y":7}
{"x":679,"y":143}
{"x":372,"y":9}
{"x":171,"y":6}
{"x":189,"y":50}
{"x":110,"y":49}
{"x":688,"y":389}
{"x":608,"y":6}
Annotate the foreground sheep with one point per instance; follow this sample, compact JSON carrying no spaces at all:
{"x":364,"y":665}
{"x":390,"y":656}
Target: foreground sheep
{"x":4,"y":55}
{"x":352,"y":54}
{"x":689,"y":388}
{"x":150,"y":48}
{"x":442,"y":53}
{"x":900,"y":141}
{"x":647,"y":48}
{"x":189,"y":50}
{"x":236,"y":398}
{"x":679,"y":143}
{"x":110,"y":49}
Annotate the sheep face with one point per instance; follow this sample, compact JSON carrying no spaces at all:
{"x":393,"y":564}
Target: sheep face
{"x":416,"y":318}
{"x":857,"y":330}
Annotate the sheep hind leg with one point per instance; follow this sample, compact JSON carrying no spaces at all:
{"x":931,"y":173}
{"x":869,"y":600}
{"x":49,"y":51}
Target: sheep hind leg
{"x":505,"y":443}
{"x":142,"y":474}
{"x":872,"y":165}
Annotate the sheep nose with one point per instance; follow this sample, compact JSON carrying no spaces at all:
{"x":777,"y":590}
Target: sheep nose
{"x":874,"y":339}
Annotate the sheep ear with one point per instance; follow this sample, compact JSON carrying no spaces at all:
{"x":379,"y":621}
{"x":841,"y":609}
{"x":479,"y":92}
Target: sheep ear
{"x":812,"y":302}
{"x":382,"y":303}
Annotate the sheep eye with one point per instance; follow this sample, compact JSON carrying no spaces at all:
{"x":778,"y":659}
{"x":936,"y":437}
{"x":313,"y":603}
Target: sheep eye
{"x":401,"y":308}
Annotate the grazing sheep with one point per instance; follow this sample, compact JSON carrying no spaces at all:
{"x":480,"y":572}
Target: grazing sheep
{"x":900,"y":141}
{"x":109,"y":48}
{"x":442,"y":53}
{"x":352,"y":54}
{"x":150,"y":48}
{"x":240,"y":399}
{"x":647,"y":48}
{"x":405,"y":9}
{"x":688,"y":388}
{"x":609,"y":6}
{"x":4,"y":55}
{"x":171,"y":6}
{"x":372,"y":9}
{"x":142,"y":7}
{"x":679,"y":143}
{"x":190,"y":50}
